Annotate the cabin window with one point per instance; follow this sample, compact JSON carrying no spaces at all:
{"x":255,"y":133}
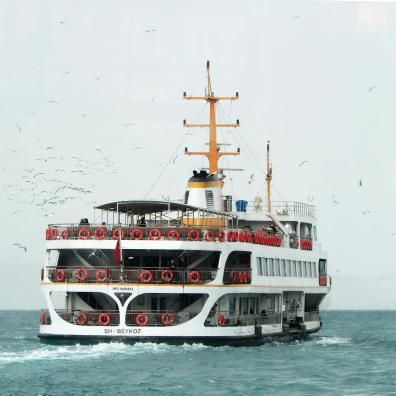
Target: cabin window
{"x":291,"y":226}
{"x":186,"y":194}
{"x":314,"y":270}
{"x":264,"y":266}
{"x":140,"y":300}
{"x":322,"y":267}
{"x":309,"y":272}
{"x":259,"y":269}
{"x":298,"y":269}
{"x":303,"y":269}
{"x":209,"y":199}
{"x":288,"y":268}
{"x":305,"y":230}
{"x":270,"y":267}
{"x":232,"y":305}
{"x":294,"y":268}
{"x":276,"y":267}
{"x":283,"y":267}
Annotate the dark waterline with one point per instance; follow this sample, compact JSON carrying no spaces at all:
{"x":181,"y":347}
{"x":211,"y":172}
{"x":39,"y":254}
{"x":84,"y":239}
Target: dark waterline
{"x":354,"y":354}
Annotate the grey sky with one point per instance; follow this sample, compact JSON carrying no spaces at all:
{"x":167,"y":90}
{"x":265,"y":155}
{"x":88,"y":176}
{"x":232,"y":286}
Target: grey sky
{"x":317,"y":78}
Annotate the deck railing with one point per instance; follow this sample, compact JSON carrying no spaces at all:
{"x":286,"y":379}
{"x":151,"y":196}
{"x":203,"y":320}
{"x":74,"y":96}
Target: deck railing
{"x":146,"y":275}
{"x":280,"y":208}
{"x":237,"y":276}
{"x":90,"y":318}
{"x":313,"y":316}
{"x":225,"y":318}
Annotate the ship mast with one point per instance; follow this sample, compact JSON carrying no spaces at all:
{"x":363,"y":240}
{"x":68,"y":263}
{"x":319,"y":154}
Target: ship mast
{"x":268,"y":178}
{"x":214,"y":153}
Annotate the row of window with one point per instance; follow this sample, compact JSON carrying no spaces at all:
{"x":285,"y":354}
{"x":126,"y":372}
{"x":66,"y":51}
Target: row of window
{"x":281,"y":267}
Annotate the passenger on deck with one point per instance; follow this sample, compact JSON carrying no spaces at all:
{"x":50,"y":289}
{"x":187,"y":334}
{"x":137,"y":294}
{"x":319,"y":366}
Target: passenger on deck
{"x":142,"y":222}
{"x":84,"y":222}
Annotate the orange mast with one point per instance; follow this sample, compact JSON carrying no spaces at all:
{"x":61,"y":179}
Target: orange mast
{"x":214,"y":153}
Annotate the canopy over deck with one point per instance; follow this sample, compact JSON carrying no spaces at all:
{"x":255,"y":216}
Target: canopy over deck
{"x":145,"y":207}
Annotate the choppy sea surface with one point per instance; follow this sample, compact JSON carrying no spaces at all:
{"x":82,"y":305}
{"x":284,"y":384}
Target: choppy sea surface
{"x":354,"y":354}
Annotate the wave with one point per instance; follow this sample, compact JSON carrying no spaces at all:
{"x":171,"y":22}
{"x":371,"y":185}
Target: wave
{"x":81,"y":352}
{"x":331,"y":340}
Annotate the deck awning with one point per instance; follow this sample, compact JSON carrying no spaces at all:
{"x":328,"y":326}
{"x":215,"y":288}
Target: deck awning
{"x":146,"y":207}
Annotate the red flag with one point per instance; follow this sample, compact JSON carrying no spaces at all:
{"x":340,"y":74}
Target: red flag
{"x":117,"y":255}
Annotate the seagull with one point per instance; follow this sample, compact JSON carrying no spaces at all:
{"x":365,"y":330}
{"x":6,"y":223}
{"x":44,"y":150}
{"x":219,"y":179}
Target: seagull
{"x":360,"y":183}
{"x":138,"y":148}
{"x":302,"y":163}
{"x":20,"y":246}
{"x":371,"y":89}
{"x":64,"y":21}
{"x":334,"y":200}
{"x":19,"y":128}
{"x":100,"y":151}
{"x":29,"y":170}
{"x":251,"y":179}
{"x":52,"y":101}
{"x":37,"y":174}
{"x":150,"y":30}
{"x":366,"y":212}
{"x":49,"y":148}
{"x":98,"y":77}
{"x":127,"y":125}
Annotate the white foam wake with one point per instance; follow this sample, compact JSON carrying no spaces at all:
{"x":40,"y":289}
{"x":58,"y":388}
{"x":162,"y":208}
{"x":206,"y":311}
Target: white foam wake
{"x":81,"y":352}
{"x":331,"y":340}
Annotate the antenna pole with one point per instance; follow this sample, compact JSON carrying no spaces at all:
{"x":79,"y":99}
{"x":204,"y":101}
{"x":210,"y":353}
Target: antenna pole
{"x":213,"y":154}
{"x":268,"y":178}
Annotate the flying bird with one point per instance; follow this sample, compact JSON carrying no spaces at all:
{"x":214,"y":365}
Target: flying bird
{"x":366,"y":212}
{"x":150,"y":30}
{"x":127,"y":125}
{"x":334,"y":200}
{"x":371,"y":89}
{"x":360,"y":183}
{"x":20,"y":246}
{"x":302,"y":163}
{"x":37,"y":174}
{"x":49,"y":148}
{"x":19,"y":128}
{"x":138,"y":148}
{"x":64,"y":21}
{"x":52,"y":101}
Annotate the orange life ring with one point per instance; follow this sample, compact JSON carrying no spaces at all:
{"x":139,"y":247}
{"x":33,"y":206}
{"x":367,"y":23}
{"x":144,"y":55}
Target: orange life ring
{"x":81,"y":318}
{"x":220,"y":320}
{"x":65,"y":234}
{"x":173,"y":235}
{"x":243,"y":277}
{"x":167,"y":318}
{"x":137,"y":234}
{"x":82,"y":274}
{"x":48,"y":234}
{"x":115,"y":231}
{"x":167,"y":276}
{"x":155,"y":234}
{"x":100,"y":233}
{"x":104,"y":319}
{"x":209,"y":236}
{"x":60,"y":275}
{"x":146,"y":276}
{"x":194,"y":276}
{"x":233,"y":276}
{"x":193,"y":235}
{"x":141,"y":319}
{"x":84,"y":233}
{"x":101,"y":275}
{"x":221,"y":236}
{"x":42,"y":317}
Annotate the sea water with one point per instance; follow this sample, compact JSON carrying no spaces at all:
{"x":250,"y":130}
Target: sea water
{"x":354,"y":354}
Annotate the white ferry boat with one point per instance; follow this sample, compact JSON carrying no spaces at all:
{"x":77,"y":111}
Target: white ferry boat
{"x":204,"y":269}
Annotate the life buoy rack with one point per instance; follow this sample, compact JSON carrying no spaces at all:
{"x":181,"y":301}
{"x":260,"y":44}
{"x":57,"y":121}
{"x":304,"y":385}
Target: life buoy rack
{"x":230,"y":236}
{"x":220,"y":320}
{"x":241,"y":236}
{"x":81,"y":318}
{"x":84,"y":233}
{"x":60,"y":275}
{"x":65,"y":234}
{"x":155,"y":234}
{"x":146,"y":276}
{"x":221,"y":236}
{"x":104,"y":319}
{"x":167,"y":276}
{"x":101,"y":275}
{"x":82,"y":274}
{"x":210,"y":236}
{"x":141,"y":319}
{"x":167,"y":318}
{"x":235,"y":235}
{"x":137,"y":234}
{"x":116,"y":231}
{"x":100,"y":233}
{"x":173,"y":235}
{"x":194,"y":277}
{"x":193,"y":235}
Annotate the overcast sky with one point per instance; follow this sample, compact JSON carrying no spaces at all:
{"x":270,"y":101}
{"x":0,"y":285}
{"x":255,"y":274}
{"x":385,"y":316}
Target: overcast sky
{"x":316,"y":78}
